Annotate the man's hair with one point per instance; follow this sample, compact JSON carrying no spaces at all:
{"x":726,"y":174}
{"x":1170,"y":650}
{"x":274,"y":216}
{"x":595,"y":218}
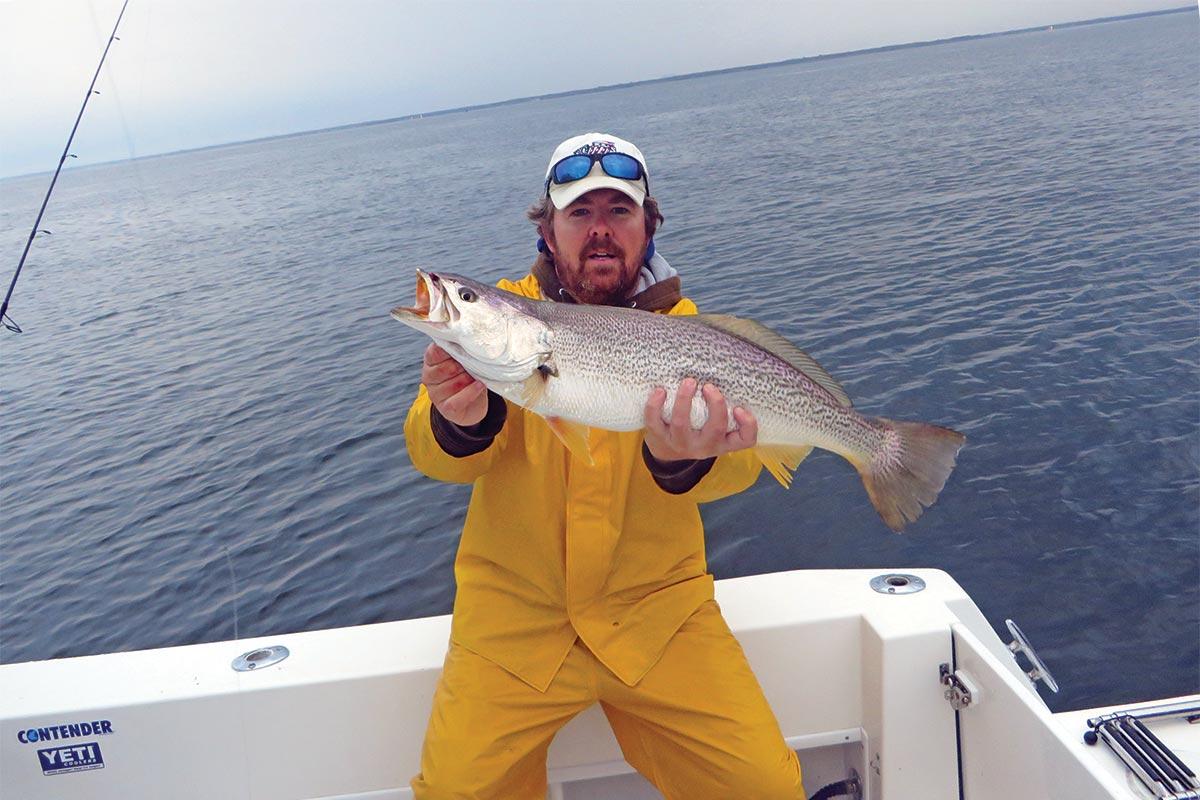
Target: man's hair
{"x":541,"y":211}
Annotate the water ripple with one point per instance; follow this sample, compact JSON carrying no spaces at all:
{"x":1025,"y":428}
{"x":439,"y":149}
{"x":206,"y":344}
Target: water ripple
{"x":997,"y":235}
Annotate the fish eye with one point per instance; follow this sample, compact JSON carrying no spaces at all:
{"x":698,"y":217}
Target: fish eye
{"x":467,"y":295}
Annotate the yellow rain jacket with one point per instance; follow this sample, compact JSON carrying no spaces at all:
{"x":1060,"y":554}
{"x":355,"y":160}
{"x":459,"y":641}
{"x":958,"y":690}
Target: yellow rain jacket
{"x":554,"y":549}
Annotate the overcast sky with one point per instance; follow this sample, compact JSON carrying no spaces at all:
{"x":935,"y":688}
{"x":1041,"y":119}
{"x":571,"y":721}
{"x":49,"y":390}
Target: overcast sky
{"x":190,"y":73}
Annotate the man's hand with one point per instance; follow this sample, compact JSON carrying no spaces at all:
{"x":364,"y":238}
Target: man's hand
{"x":678,"y":440}
{"x":455,"y":394}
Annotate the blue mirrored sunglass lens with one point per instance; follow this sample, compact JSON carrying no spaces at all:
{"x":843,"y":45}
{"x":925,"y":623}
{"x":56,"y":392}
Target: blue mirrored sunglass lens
{"x":619,"y":165}
{"x":572,"y":168}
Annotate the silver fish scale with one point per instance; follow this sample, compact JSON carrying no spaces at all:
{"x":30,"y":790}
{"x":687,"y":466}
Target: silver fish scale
{"x":598,"y":366}
{"x":609,"y":359}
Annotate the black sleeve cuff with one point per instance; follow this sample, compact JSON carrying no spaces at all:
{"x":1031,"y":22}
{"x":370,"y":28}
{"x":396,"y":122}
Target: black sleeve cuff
{"x":676,"y":477}
{"x":460,"y":441}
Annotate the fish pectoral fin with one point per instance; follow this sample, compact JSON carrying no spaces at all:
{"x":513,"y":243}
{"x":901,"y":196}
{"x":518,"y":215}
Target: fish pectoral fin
{"x":781,"y":460}
{"x":532,"y":389}
{"x":573,"y":436}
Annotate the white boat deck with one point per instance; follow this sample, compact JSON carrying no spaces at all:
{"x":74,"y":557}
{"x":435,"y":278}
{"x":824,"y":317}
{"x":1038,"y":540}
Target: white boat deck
{"x":852,"y":674}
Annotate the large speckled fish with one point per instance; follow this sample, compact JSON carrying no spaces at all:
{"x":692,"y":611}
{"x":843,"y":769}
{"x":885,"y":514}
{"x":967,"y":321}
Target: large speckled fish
{"x":586,"y":365}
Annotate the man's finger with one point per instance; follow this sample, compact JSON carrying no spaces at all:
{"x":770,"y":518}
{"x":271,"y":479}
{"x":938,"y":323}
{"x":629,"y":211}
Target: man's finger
{"x":435,"y":355}
{"x":470,"y":393}
{"x":681,"y":413}
{"x":654,"y":408}
{"x":439,"y":393}
{"x":746,"y":433}
{"x":440,"y":373}
{"x":461,"y":401}
{"x":718,"y":415}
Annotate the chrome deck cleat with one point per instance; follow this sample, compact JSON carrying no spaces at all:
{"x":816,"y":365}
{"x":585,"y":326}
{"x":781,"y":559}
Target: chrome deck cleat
{"x":1020,"y":644}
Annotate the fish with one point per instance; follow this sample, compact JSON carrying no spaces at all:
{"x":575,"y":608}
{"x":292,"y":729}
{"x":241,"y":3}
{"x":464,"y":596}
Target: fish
{"x":592,"y":366}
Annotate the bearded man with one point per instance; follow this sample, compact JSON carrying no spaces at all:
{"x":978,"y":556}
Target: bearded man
{"x":581,"y":583}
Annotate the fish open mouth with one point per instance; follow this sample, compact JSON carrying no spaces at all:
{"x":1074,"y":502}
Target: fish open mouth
{"x":424,"y":299}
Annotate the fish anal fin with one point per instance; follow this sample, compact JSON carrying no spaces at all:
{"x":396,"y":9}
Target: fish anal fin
{"x":573,"y":436}
{"x":782,"y":460}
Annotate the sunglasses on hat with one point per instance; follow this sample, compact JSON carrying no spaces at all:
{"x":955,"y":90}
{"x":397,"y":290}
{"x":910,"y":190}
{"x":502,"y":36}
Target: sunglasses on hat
{"x":615,"y":165}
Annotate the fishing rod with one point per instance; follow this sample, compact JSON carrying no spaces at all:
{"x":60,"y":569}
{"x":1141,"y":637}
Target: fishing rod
{"x":8,"y":321}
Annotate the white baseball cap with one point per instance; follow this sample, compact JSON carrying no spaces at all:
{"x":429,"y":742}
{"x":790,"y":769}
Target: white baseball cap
{"x":596,"y":144}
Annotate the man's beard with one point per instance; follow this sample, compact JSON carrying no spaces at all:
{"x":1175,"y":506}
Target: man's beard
{"x":584,"y":290}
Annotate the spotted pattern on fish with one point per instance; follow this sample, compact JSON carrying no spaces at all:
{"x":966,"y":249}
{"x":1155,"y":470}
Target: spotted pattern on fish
{"x":597,"y":366}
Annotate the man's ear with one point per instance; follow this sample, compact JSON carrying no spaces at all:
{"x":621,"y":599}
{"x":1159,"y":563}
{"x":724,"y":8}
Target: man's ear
{"x":546,"y":231}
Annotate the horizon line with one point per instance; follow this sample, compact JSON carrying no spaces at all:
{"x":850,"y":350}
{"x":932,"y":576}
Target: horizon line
{"x":627,"y":84}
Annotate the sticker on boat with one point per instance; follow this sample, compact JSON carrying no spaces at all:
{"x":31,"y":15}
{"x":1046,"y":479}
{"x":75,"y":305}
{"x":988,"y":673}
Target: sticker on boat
{"x":99,"y":727}
{"x":71,"y":758}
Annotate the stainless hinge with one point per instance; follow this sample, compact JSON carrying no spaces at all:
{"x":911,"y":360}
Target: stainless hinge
{"x":961,"y":691}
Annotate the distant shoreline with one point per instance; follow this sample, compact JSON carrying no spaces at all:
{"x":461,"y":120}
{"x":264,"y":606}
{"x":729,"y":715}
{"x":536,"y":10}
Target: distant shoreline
{"x":747,"y":68}
{"x":614,"y":86}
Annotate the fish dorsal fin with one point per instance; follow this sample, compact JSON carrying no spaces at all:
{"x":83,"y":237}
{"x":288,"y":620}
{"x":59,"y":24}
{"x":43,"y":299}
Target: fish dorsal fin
{"x":758,"y":334}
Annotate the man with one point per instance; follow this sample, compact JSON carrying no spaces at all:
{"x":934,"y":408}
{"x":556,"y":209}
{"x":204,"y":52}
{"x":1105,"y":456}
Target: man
{"x":584,"y":583}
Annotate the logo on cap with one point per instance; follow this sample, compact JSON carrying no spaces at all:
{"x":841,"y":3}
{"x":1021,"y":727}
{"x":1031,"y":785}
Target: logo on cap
{"x":596,"y":149}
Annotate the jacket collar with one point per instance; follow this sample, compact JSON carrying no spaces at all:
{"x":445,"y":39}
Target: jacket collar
{"x":660,"y":296}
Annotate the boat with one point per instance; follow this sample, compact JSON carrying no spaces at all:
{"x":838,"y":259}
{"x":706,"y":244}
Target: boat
{"x":891,"y":685}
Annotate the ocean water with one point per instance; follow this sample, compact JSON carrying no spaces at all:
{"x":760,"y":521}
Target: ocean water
{"x":202,"y":428}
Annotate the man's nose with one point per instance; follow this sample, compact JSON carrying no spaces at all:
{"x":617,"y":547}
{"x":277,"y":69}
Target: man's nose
{"x":600,"y":225}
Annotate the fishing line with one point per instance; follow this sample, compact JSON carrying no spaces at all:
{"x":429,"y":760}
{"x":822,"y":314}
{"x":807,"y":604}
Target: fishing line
{"x":140,"y":106}
{"x":8,"y":321}
{"x":239,"y":703}
{"x":233,"y":582}
{"x":111,"y":84}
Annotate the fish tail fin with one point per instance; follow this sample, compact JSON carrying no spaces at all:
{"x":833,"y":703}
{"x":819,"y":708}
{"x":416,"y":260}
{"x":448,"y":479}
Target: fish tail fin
{"x":905,"y":474}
